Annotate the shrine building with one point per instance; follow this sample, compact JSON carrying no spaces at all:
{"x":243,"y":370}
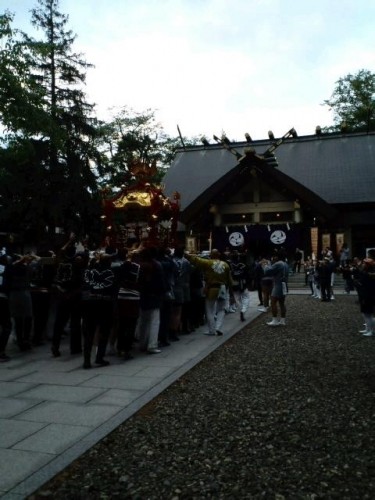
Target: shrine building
{"x":309,"y":192}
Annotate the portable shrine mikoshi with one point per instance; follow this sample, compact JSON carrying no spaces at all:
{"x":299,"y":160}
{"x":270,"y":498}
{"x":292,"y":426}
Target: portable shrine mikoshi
{"x":140,"y":212}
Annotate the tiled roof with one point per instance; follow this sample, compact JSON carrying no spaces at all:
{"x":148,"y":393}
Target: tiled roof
{"x":338,"y":168}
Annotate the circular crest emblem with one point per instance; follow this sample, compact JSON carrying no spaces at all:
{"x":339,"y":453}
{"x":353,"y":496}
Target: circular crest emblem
{"x":236,"y":239}
{"x":278,"y":237}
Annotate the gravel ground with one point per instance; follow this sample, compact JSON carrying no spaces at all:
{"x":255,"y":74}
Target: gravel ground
{"x":274,"y":413}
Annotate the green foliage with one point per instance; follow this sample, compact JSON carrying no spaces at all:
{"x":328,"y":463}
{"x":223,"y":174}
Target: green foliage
{"x":353,"y":103}
{"x":21,"y":187}
{"x":131,"y":136}
{"x":21,"y":97}
{"x":56,"y":156}
{"x":71,"y":181}
{"x":50,"y":126}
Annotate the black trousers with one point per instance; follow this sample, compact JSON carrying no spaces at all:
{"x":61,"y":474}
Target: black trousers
{"x":297,"y":266}
{"x":197,"y":310}
{"x":125,"y":333}
{"x":41,"y":304}
{"x":97,"y":315}
{"x":126,"y":314}
{"x":23,"y":326}
{"x":325,"y":289}
{"x":68,"y":308}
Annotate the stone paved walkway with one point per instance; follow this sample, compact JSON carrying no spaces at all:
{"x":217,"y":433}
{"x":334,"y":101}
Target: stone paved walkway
{"x":52,"y":410}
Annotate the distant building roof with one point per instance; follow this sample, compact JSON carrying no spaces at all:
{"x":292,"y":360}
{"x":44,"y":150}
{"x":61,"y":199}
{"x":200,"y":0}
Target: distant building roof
{"x":339,"y":168}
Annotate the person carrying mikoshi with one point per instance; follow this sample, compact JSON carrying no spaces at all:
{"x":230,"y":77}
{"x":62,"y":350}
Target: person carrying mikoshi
{"x":219,"y":282}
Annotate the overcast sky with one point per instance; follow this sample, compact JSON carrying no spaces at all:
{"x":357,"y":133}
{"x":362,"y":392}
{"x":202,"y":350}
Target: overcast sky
{"x":213,"y":66}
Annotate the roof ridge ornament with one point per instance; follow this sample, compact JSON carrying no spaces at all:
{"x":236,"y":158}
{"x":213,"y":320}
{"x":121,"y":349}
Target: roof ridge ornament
{"x":267,"y":155}
{"x":225,"y":142}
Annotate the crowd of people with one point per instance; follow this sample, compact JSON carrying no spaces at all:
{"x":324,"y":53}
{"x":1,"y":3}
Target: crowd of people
{"x":358,"y":275}
{"x":112,"y":299}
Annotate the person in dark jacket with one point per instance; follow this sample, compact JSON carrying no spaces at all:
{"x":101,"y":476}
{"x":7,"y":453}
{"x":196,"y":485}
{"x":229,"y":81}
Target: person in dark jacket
{"x":41,"y":284}
{"x":127,"y":304}
{"x":181,"y":295}
{"x":67,"y":293}
{"x":266,"y":284}
{"x":152,"y":288}
{"x":346,"y":272}
{"x":100,"y":290}
{"x":325,"y":271}
{"x":20,"y":303}
{"x":365,"y":281}
{"x":240,"y":282}
{"x":278,"y":270}
{"x":298,"y":255}
{"x":170,"y":271}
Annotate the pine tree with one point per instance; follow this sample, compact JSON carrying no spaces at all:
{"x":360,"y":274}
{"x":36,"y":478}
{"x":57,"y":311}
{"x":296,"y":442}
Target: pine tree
{"x":21,"y":97}
{"x":70,"y":190}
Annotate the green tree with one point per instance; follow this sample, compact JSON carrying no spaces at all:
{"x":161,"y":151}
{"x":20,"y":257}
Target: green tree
{"x":21,"y":97}
{"x":56,"y":156}
{"x":22,"y":178}
{"x":132,"y":136}
{"x":353,"y":103}
{"x":21,"y":116}
{"x":66,"y":148}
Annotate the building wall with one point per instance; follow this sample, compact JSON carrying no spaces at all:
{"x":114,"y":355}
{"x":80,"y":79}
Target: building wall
{"x":257,"y":203}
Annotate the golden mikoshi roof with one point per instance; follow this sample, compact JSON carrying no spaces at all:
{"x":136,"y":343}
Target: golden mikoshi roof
{"x":141,"y":198}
